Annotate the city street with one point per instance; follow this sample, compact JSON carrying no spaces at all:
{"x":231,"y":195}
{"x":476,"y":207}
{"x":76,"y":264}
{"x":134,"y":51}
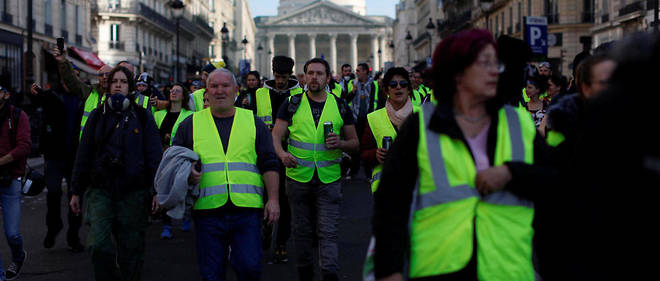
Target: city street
{"x":175,"y":259}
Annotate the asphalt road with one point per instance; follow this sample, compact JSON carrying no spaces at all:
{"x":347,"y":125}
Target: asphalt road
{"x":175,"y":259}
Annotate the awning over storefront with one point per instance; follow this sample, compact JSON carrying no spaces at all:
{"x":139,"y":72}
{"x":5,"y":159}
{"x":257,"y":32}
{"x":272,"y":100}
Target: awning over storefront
{"x":88,"y":57}
{"x":82,"y":66}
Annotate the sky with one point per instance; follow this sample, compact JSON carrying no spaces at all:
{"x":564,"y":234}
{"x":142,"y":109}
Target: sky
{"x":374,"y":7}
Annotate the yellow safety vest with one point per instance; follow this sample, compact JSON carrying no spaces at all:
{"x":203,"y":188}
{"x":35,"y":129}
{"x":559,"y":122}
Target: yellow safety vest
{"x":198,"y":99}
{"x":449,"y":214}
{"x":336,"y":90}
{"x":526,"y":98}
{"x":94,"y":100}
{"x":376,"y":90}
{"x":232,"y":176}
{"x":264,"y":107}
{"x":159,"y":116}
{"x":419,"y":95}
{"x":307,"y":142}
{"x":381,"y":126}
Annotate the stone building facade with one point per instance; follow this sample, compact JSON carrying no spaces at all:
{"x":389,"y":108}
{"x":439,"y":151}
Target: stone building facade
{"x":329,"y":29}
{"x":51,"y":19}
{"x":616,"y":18}
{"x":144,"y":33}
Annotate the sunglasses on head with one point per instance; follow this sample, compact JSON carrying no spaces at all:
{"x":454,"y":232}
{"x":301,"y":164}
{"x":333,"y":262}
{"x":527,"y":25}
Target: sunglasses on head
{"x":402,"y":83}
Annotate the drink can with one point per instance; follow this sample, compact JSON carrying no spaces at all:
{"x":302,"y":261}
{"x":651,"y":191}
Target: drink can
{"x":387,"y":142}
{"x":327,"y":128}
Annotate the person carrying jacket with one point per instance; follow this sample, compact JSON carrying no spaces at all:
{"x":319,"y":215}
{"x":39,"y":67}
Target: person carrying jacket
{"x":115,"y":166}
{"x":238,"y":166}
{"x":59,"y":142}
{"x":454,"y":202}
{"x":312,"y":167}
{"x":15,"y":146}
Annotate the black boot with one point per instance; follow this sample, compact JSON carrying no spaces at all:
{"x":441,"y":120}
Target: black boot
{"x":49,"y":241}
{"x":305,"y":273}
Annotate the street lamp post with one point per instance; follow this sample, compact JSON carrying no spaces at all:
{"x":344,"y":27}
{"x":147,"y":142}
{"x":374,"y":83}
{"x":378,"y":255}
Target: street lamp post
{"x":244,"y":42}
{"x":408,"y":40}
{"x":259,"y":50}
{"x":430,"y":27}
{"x":225,"y":40}
{"x":177,"y":12}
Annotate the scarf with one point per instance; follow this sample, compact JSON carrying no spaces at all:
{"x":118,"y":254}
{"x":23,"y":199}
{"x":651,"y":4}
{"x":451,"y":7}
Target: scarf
{"x":398,"y":116}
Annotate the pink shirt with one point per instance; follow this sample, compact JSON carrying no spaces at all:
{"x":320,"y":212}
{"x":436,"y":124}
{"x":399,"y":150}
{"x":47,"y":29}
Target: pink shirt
{"x":478,"y":144}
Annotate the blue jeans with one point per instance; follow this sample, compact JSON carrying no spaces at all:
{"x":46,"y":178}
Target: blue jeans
{"x":10,"y":198}
{"x":239,"y":230}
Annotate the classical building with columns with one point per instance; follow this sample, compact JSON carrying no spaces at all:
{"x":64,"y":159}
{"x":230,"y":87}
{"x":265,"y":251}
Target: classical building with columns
{"x":336,"y":30}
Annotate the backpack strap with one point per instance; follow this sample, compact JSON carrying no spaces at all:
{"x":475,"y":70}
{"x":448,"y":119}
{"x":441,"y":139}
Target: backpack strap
{"x":14,"y":118}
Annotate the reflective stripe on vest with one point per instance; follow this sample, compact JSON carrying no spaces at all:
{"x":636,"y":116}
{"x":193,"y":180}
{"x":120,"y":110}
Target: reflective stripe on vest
{"x":447,"y":210}
{"x":307,"y":143}
{"x":232,"y":176}
{"x":91,"y":103}
{"x":264,"y":107}
{"x":381,"y":126}
{"x":159,"y":116}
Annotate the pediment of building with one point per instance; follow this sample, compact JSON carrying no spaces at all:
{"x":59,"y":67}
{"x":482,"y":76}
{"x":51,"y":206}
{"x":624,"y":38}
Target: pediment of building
{"x":321,"y":13}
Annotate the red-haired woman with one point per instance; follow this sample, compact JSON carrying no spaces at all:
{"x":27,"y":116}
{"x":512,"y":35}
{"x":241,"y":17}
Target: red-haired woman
{"x":450,"y":204}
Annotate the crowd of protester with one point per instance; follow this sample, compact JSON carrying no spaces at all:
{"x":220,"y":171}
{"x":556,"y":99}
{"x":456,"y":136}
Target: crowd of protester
{"x":483,"y":165}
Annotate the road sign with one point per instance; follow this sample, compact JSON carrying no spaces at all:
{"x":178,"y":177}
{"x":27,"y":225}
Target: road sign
{"x":536,"y":34}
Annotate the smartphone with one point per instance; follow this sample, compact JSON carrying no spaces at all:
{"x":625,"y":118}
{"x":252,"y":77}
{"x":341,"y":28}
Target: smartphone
{"x":60,"y":44}
{"x":198,"y":166}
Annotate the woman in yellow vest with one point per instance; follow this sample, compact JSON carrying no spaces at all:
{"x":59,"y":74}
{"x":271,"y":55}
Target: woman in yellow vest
{"x":449,"y":204}
{"x":385,"y":122}
{"x":168,"y":121}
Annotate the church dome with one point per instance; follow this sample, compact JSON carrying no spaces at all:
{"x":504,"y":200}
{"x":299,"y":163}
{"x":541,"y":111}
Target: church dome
{"x":288,"y":6}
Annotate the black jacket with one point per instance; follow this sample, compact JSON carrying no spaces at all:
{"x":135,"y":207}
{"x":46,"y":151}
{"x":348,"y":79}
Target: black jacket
{"x":118,"y":151}
{"x":399,"y":176}
{"x":60,"y":128}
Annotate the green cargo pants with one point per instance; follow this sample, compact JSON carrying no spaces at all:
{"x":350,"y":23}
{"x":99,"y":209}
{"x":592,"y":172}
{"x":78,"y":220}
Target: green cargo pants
{"x":116,"y":233}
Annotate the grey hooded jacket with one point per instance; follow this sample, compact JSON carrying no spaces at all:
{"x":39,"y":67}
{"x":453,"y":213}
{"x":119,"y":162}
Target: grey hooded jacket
{"x":171,"y":181}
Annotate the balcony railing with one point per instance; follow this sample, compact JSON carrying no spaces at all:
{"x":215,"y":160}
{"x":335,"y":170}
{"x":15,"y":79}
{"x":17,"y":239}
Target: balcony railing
{"x":605,"y":18}
{"x":116,"y":45}
{"x":631,"y":8}
{"x":202,"y":23}
{"x":7,"y":18}
{"x":588,"y":17}
{"x":65,"y":35}
{"x":78,"y":39}
{"x":48,"y":29}
{"x":553,"y":18}
{"x":156,"y":17}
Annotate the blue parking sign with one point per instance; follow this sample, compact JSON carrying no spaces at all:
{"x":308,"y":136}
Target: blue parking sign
{"x":536,"y":34}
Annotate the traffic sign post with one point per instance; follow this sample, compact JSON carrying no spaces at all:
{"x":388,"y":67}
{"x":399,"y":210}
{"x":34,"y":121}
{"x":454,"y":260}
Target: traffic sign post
{"x":536,"y":34}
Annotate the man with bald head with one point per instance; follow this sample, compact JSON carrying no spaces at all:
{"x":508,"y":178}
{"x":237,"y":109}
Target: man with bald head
{"x":238,"y":165}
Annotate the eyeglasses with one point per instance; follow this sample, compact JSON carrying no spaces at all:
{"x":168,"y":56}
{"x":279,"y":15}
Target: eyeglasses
{"x":495,"y":64}
{"x":402,"y":83}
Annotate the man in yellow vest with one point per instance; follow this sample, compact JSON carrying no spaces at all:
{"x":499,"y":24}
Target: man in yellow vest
{"x":275,"y":91}
{"x":269,"y":98}
{"x":420,"y":92}
{"x":197,"y":97}
{"x":237,"y":162}
{"x":319,"y":127}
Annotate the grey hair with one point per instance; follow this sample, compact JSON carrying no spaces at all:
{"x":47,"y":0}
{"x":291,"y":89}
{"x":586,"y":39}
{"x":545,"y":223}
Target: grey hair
{"x":223,"y":70}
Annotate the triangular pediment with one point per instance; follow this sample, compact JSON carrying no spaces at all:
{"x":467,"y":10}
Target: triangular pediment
{"x":322,"y":13}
